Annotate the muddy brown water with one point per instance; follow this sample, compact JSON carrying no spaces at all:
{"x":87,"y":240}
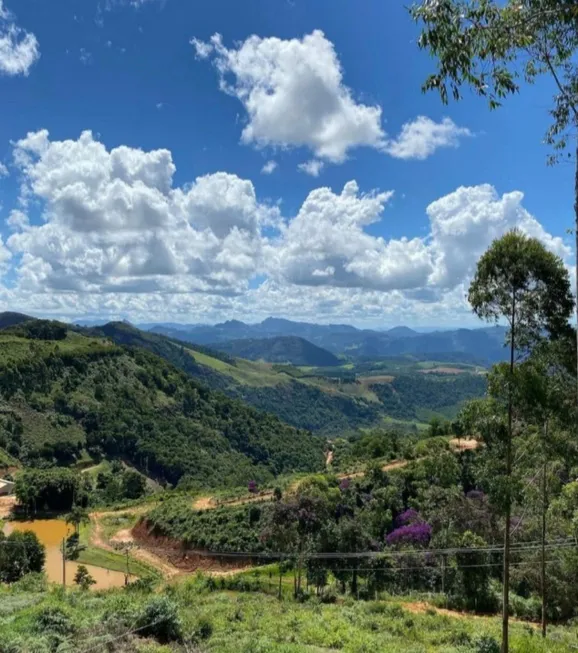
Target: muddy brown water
{"x":51,"y":532}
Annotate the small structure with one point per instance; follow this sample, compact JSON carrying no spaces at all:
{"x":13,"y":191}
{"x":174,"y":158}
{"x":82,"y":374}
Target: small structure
{"x":6,"y":487}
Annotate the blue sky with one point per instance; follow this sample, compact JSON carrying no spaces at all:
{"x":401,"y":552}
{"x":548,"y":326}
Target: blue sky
{"x":165,"y":212}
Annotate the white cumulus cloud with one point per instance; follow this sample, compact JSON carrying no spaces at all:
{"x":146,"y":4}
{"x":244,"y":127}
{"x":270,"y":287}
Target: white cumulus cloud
{"x":116,"y":237}
{"x":294,"y":94}
{"x":113,"y":221}
{"x":422,"y":137}
{"x":19,"y":49}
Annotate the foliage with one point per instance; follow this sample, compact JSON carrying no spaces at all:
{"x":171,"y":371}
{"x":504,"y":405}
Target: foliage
{"x":159,"y":618}
{"x":131,"y":404}
{"x":519,"y":280}
{"x":312,"y":400}
{"x":489,"y":46}
{"x":49,"y":489}
{"x":418,"y":534}
{"x":408,"y":393}
{"x":77,"y":516}
{"x":223,"y":530}
{"x":234,"y":621}
{"x":39,"y":330}
{"x":20,"y":553}
{"x":82,"y":578}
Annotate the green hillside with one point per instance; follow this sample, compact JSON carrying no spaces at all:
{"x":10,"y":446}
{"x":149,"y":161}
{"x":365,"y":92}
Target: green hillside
{"x":281,"y":349}
{"x":62,"y":399}
{"x":327,"y":400}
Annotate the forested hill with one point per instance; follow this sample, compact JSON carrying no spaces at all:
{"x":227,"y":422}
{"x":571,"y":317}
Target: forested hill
{"x":331,"y":401}
{"x":282,"y":349}
{"x":79,"y":396}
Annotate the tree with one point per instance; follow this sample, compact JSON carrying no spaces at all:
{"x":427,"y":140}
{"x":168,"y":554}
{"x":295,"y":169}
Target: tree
{"x":133,"y":484}
{"x":519,"y":281}
{"x":489,"y":45}
{"x":76,"y":517}
{"x":82,"y":578}
{"x":545,"y":392}
{"x":474,"y":571}
{"x":21,"y":553}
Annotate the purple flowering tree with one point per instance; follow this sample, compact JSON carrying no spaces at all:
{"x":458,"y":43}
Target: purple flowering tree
{"x":409,"y":516}
{"x":252,"y":487}
{"x":417,"y":534}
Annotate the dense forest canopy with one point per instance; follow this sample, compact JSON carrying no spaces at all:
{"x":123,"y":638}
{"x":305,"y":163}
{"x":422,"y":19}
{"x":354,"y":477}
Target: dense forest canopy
{"x":81,"y":394}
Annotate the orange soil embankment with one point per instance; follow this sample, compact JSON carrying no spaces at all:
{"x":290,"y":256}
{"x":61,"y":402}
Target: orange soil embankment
{"x":183,"y":560}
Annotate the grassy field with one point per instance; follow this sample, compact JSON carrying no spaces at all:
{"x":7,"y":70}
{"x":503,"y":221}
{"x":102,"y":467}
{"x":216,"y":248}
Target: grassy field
{"x":91,"y":555}
{"x":205,"y":619}
{"x":256,"y":374}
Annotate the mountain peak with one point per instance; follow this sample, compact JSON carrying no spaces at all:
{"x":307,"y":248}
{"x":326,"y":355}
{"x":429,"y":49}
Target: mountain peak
{"x":401,"y":332}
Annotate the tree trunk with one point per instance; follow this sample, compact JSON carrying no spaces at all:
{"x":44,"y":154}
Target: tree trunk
{"x":506,"y":574}
{"x":543,"y":560}
{"x":576,"y":244}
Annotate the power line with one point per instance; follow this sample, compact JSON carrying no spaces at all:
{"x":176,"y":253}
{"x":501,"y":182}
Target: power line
{"x":522,"y":547}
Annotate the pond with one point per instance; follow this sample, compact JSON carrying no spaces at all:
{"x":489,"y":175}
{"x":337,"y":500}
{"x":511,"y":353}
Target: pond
{"x":51,"y":533}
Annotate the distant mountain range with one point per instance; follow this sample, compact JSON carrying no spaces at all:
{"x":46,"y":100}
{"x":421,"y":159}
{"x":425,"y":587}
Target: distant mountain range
{"x":483,"y":346}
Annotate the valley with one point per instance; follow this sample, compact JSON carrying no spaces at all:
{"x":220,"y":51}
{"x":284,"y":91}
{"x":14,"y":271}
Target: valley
{"x":200,"y":472}
{"x":356,"y":394}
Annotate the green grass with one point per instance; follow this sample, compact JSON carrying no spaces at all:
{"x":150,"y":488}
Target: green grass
{"x":257,"y":374}
{"x":115,"y":562}
{"x":251,"y":622}
{"x":91,"y":555}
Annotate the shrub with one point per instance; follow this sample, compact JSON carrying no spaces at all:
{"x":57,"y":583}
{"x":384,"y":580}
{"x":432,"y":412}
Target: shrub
{"x":329,"y":596}
{"x":486,"y":644}
{"x":54,"y":619}
{"x":461,"y":638}
{"x":160,"y":619}
{"x":204,"y":628}
{"x":530,"y":608}
{"x":32,"y":582}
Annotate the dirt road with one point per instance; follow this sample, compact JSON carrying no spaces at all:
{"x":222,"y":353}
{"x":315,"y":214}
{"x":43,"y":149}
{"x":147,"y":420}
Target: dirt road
{"x":210,"y":503}
{"x":125,"y":537}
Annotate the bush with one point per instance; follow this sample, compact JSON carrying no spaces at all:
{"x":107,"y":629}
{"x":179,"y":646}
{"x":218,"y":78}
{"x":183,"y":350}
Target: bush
{"x":160,"y":619}
{"x":486,"y":644}
{"x":329,"y":596}
{"x":203,"y":628}
{"x":529,"y":609}
{"x":32,"y":582}
{"x":461,"y":638}
{"x":55,"y":620}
